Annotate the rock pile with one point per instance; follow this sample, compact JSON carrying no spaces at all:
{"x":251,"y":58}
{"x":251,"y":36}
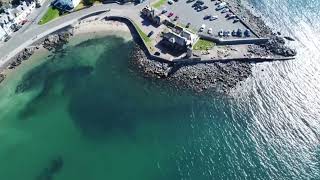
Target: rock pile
{"x":56,"y":41}
{"x":54,"y":167}
{"x":22,"y":56}
{"x":220,"y":77}
{"x":277,"y":46}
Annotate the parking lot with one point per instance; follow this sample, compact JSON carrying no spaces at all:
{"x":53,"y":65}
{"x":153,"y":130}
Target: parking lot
{"x":188,"y":14}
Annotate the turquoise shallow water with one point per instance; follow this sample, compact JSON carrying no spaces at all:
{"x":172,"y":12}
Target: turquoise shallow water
{"x":84,"y":113}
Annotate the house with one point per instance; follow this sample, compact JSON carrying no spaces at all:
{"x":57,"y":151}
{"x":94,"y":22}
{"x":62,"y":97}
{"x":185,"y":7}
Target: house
{"x":65,"y":5}
{"x":153,"y":15}
{"x":22,"y":11}
{"x":6,"y":22}
{"x":180,"y":41}
{"x":3,"y":34}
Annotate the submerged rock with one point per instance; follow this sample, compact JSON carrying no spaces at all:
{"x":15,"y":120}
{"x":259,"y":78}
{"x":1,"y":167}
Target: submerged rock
{"x":2,"y":77}
{"x":54,"y":167}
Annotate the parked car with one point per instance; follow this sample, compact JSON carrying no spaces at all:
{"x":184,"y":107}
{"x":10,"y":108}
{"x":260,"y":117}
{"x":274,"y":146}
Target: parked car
{"x":150,"y":33}
{"x":170,"y":2}
{"x":204,"y":7}
{"x":203,"y":26}
{"x":227,"y":33}
{"x":220,"y":33}
{"x":189,"y":1}
{"x":164,"y":10}
{"x":234,"y":33}
{"x":176,"y":18}
{"x":7,"y":38}
{"x":213,"y":18}
{"x":176,"y":0}
{"x":228,"y":15}
{"x":247,"y":33}
{"x":170,"y":14}
{"x":225,"y":10}
{"x":157,"y":53}
{"x":207,"y":17}
{"x":24,"y":21}
{"x":210,"y":31}
{"x":236,"y":20}
{"x":188,"y":25}
{"x":239,"y":33}
{"x":232,"y":16}
{"x":200,"y":2}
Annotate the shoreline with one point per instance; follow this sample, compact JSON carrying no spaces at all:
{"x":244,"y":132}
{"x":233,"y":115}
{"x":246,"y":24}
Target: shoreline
{"x":85,"y":29}
{"x":198,"y":77}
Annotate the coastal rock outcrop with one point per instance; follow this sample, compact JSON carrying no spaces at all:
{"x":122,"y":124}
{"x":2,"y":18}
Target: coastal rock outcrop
{"x":56,"y":41}
{"x":221,"y":77}
{"x":22,"y":56}
{"x":54,"y":167}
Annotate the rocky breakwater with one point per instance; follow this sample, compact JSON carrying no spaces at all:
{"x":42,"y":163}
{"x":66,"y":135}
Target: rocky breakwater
{"x":217,"y":77}
{"x":275,"y":47}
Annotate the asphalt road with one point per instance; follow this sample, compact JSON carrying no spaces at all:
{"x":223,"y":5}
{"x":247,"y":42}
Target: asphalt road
{"x":34,"y":31}
{"x":188,"y":14}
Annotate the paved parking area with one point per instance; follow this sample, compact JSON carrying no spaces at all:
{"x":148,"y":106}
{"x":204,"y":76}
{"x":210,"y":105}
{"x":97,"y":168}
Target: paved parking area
{"x":188,"y":14}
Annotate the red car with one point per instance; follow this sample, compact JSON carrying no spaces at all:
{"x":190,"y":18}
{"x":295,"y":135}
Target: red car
{"x":170,"y":14}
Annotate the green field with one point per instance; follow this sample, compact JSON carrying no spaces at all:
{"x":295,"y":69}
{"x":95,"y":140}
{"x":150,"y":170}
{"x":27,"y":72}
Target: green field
{"x":51,"y":14}
{"x":159,"y":3}
{"x":203,"y":45}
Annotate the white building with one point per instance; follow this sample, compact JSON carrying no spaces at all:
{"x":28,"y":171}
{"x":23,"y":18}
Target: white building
{"x":15,"y":16}
{"x":6,"y":23}
{"x":22,"y":11}
{"x":2,"y":34}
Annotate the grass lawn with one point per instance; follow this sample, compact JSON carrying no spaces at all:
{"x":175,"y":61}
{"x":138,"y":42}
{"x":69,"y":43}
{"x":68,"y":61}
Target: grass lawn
{"x":159,"y":3}
{"x":80,"y":6}
{"x":51,"y":14}
{"x":145,"y":37}
{"x":202,"y":44}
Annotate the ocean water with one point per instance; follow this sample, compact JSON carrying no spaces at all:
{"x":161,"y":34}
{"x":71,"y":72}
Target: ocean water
{"x":85,"y":113}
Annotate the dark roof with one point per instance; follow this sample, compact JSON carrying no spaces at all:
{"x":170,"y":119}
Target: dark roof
{"x":65,"y":5}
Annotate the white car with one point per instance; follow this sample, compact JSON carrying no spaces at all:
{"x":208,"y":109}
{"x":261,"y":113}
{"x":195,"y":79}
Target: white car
{"x":225,"y":10}
{"x":203,"y":26}
{"x":210,"y":31}
{"x":220,"y":33}
{"x":213,"y":18}
{"x":170,"y":2}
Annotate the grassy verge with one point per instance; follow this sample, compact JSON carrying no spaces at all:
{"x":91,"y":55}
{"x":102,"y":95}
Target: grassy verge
{"x":51,"y":14}
{"x":80,"y":6}
{"x":202,"y":44}
{"x":144,"y":37}
{"x":159,"y":3}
